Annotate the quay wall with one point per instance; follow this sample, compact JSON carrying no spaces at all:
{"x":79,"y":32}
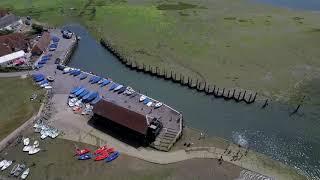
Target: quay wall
{"x":68,"y":54}
{"x":238,"y":95}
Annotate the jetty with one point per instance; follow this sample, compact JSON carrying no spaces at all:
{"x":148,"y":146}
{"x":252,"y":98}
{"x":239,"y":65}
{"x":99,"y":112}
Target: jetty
{"x":171,"y":120}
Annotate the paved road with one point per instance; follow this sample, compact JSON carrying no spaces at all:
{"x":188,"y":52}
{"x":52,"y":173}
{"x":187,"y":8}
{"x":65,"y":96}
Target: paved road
{"x":15,"y":74}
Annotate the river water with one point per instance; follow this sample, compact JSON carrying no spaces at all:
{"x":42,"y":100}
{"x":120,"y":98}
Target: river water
{"x":294,"y":140}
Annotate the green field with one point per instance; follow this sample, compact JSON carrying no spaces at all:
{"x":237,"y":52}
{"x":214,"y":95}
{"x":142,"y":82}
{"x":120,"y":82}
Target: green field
{"x":16,"y":107}
{"x":233,"y":44}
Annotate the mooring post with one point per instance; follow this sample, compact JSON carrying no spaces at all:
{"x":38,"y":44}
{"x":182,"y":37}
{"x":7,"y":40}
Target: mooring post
{"x":197,"y":83}
{"x":182,"y":80}
{"x":223,"y":91}
{"x":170,"y":74}
{"x":234,"y":91}
{"x":188,"y":80}
{"x":191,"y":82}
{"x":265,"y":103}
{"x":228,"y":93}
{"x":244,"y":94}
{"x":254,"y":98}
{"x":156,"y":69}
{"x":250,"y":98}
{"x":239,"y":95}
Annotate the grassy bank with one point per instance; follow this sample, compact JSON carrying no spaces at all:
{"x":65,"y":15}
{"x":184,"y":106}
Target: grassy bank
{"x":16,"y":107}
{"x":227,"y":43}
{"x":51,"y":164}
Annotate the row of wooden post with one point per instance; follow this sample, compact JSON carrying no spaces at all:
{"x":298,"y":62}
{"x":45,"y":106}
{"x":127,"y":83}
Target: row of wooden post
{"x":238,"y":96}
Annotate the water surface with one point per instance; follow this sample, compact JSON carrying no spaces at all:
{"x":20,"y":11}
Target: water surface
{"x":294,"y":140}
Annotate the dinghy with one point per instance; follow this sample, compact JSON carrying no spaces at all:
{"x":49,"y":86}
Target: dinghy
{"x":101,"y":81}
{"x":91,"y":97}
{"x":102,"y":156}
{"x":146,"y":101}
{"x":100,"y":150}
{"x":114,"y":85}
{"x":77,"y":73}
{"x":113,"y":156}
{"x":83,"y":76}
{"x":149,"y":104}
{"x":105,"y":82}
{"x":6,"y":165}
{"x":80,"y":152}
{"x":92,"y":78}
{"x":48,"y":87}
{"x":96,"y":80}
{"x":97,"y":99}
{"x":44,"y":85}
{"x":142,"y":98}
{"x":121,"y":90}
{"x":87,"y":96}
{"x":19,"y":170}
{"x":66,"y":70}
{"x":34,"y":151}
{"x":2,"y":163}
{"x":25,"y":174}
{"x":36,"y":144}
{"x":75,"y":89}
{"x":13,"y":170}
{"x":27,"y":148}
{"x":83,"y":93}
{"x":84,"y":157}
{"x":157,"y":105}
{"x":79,"y":91}
{"x":118,"y":88}
{"x":26,"y":141}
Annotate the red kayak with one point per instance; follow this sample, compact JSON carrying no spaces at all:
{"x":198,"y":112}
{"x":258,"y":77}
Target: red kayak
{"x":103,"y":155}
{"x":101,"y":149}
{"x":80,"y":152}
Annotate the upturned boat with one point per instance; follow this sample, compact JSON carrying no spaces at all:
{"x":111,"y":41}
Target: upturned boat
{"x":80,"y":152}
{"x":113,"y":156}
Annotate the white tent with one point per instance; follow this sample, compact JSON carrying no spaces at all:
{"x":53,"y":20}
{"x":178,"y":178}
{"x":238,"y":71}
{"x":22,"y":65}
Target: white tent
{"x":10,"y":57}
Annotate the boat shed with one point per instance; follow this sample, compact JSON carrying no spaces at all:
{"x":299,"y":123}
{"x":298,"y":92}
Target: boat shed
{"x":13,"y":42}
{"x":122,"y":116}
{"x":7,"y":20}
{"x":10,"y":58}
{"x":42,"y":45}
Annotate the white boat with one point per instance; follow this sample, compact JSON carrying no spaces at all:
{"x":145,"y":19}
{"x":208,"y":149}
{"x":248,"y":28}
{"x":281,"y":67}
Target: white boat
{"x":25,"y":174}
{"x":149,"y":104}
{"x":14,"y":169}
{"x":19,"y":169}
{"x":27,"y":148}
{"x":54,"y":134}
{"x":67,"y":69}
{"x":26,"y":141}
{"x":36,"y":125}
{"x":45,"y":84}
{"x":142,"y":98}
{"x":36,"y":144}
{"x":157,"y":105}
{"x":2,"y":163}
{"x":78,"y":103}
{"x":6,"y":165}
{"x":118,"y":87}
{"x":43,"y":136}
{"x":48,"y":87}
{"x":99,"y":82}
{"x":34,"y":150}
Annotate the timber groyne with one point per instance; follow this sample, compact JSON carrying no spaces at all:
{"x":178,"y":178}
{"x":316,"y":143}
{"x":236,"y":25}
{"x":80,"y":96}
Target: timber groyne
{"x":237,"y":95}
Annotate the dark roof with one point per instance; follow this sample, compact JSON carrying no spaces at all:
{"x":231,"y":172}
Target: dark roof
{"x":42,"y":44}
{"x":7,"y":20}
{"x":13,"y":42}
{"x":122,"y":116}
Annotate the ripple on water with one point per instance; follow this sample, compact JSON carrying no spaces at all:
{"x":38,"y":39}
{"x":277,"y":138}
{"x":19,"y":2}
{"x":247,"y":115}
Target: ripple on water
{"x":297,"y":152}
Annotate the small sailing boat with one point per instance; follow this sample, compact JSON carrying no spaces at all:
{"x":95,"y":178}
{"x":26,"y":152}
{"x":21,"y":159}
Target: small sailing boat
{"x":25,"y":174}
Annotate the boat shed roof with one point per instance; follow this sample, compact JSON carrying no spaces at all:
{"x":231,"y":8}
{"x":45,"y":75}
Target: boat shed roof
{"x":12,"y":56}
{"x":121,"y":115}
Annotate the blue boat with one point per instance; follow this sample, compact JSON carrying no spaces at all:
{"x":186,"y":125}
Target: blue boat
{"x":39,"y":79}
{"x":38,"y":76}
{"x":85,"y":92}
{"x":96,"y":80}
{"x":146,"y":101}
{"x":97,"y":99}
{"x":45,"y":58}
{"x":77,"y":73}
{"x":79,"y":91}
{"x":105,"y":82}
{"x":113,"y":156}
{"x":73,"y":71}
{"x":84,"y":157}
{"x":42,"y":62}
{"x":75,"y":89}
{"x":92,"y":78}
{"x":87,"y":96}
{"x":83,"y":76}
{"x":114,"y":85}
{"x":121,"y":90}
{"x":39,"y":66}
{"x":91,"y":97}
{"x":43,"y":82}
